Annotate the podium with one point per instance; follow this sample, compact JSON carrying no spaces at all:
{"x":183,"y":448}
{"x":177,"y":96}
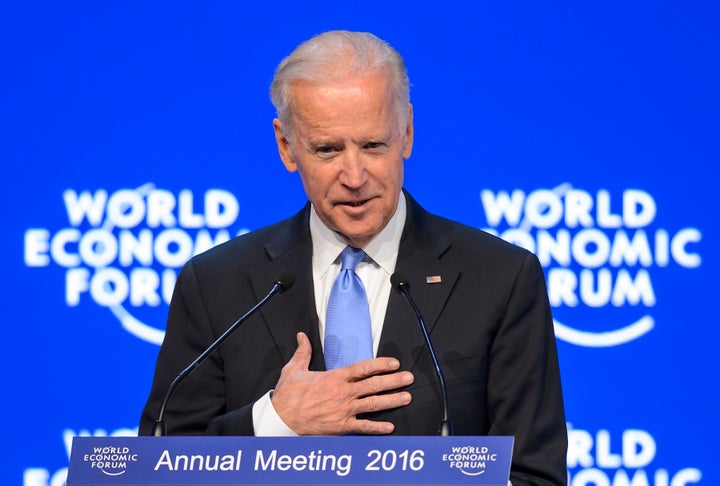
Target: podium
{"x":407,"y":460}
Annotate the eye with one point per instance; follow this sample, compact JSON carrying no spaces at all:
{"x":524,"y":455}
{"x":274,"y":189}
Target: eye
{"x":325,"y":151}
{"x":374,"y":145}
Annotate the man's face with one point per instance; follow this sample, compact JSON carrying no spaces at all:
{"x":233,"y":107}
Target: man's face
{"x":349,"y":149}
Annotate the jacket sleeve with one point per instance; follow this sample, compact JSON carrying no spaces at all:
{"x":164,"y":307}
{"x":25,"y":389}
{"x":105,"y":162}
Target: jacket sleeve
{"x":524,"y":391}
{"x":198,"y":404}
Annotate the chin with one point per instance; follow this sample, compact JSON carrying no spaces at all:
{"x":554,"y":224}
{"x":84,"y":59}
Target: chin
{"x":359,"y":240}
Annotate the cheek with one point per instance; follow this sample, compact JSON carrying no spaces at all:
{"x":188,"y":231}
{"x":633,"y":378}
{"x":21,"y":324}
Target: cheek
{"x":317,"y":183}
{"x":392,"y":174}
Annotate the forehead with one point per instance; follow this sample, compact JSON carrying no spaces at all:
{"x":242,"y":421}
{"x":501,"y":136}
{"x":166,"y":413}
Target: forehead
{"x":362,"y":102}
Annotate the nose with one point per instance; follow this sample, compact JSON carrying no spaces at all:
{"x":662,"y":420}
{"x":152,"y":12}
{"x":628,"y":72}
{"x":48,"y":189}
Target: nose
{"x":353,"y":172}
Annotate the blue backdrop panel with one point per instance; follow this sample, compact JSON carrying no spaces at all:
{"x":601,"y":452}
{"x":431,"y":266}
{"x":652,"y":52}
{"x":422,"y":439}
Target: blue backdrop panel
{"x":134,"y":136}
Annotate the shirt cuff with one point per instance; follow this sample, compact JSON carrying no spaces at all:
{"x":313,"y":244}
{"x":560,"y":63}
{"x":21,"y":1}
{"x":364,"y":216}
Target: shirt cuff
{"x":266,"y":421}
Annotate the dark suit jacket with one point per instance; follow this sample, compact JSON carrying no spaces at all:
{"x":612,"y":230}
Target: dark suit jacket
{"x":489,"y":320}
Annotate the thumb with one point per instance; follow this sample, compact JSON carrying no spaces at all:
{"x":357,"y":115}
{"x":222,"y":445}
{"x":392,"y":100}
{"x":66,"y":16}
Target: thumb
{"x":303,"y":353}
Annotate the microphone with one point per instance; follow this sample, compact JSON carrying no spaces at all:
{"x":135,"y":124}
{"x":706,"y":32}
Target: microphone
{"x":283,"y":283}
{"x":402,"y":286}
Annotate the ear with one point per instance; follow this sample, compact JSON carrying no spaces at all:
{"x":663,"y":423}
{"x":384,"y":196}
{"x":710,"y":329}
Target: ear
{"x":284,"y":148}
{"x":409,"y":133}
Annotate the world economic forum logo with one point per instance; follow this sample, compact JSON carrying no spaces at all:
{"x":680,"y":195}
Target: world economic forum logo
{"x":470,"y":460}
{"x":601,"y":251}
{"x":122,"y":250}
{"x":111,"y":461}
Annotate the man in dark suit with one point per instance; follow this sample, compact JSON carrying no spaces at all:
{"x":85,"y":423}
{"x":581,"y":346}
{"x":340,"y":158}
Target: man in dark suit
{"x":345,"y":124}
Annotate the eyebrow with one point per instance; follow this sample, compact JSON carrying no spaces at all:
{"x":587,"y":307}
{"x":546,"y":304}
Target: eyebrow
{"x":385,"y":138}
{"x":313,"y":145}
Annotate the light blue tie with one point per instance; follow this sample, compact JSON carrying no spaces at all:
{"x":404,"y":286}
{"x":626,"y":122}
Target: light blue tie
{"x":348,"y":337}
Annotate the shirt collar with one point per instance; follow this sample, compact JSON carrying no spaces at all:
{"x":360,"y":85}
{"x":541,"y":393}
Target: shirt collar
{"x":382,"y":249}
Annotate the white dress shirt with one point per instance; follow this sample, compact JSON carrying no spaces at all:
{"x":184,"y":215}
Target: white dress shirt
{"x":374,"y":271}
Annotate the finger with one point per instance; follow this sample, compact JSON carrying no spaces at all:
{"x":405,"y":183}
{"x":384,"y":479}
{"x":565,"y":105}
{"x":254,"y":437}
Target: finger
{"x":377,"y":403}
{"x":370,"y":427}
{"x":382,"y":383}
{"x":303,"y":353}
{"x":370,"y":367}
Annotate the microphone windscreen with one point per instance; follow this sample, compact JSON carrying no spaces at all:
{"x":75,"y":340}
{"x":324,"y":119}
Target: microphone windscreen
{"x":285,"y":281}
{"x":398,"y":281}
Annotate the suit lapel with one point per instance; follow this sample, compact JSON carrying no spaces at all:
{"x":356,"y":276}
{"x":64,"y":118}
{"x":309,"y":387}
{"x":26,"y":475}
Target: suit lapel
{"x":421,"y":249}
{"x":290,"y":250}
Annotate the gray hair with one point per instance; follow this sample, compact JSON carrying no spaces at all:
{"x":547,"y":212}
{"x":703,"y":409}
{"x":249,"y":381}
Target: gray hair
{"x":333,"y":56}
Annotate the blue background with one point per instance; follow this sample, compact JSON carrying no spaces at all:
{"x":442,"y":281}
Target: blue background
{"x":507,"y":95}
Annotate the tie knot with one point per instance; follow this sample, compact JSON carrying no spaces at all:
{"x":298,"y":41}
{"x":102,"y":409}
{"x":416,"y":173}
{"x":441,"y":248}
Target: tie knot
{"x":351,"y":257}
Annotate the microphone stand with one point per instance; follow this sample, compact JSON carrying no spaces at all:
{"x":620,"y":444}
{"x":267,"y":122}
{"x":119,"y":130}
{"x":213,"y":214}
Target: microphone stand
{"x":403,"y":287}
{"x":281,"y":285}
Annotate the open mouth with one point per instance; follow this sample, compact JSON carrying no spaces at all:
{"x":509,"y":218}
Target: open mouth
{"x":355,"y":204}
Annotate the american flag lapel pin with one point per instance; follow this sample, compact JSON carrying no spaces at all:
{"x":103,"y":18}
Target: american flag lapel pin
{"x":433,"y":279}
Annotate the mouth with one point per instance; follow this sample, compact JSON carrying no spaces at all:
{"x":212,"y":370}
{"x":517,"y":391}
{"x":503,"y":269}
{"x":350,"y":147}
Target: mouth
{"x":355,"y":204}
